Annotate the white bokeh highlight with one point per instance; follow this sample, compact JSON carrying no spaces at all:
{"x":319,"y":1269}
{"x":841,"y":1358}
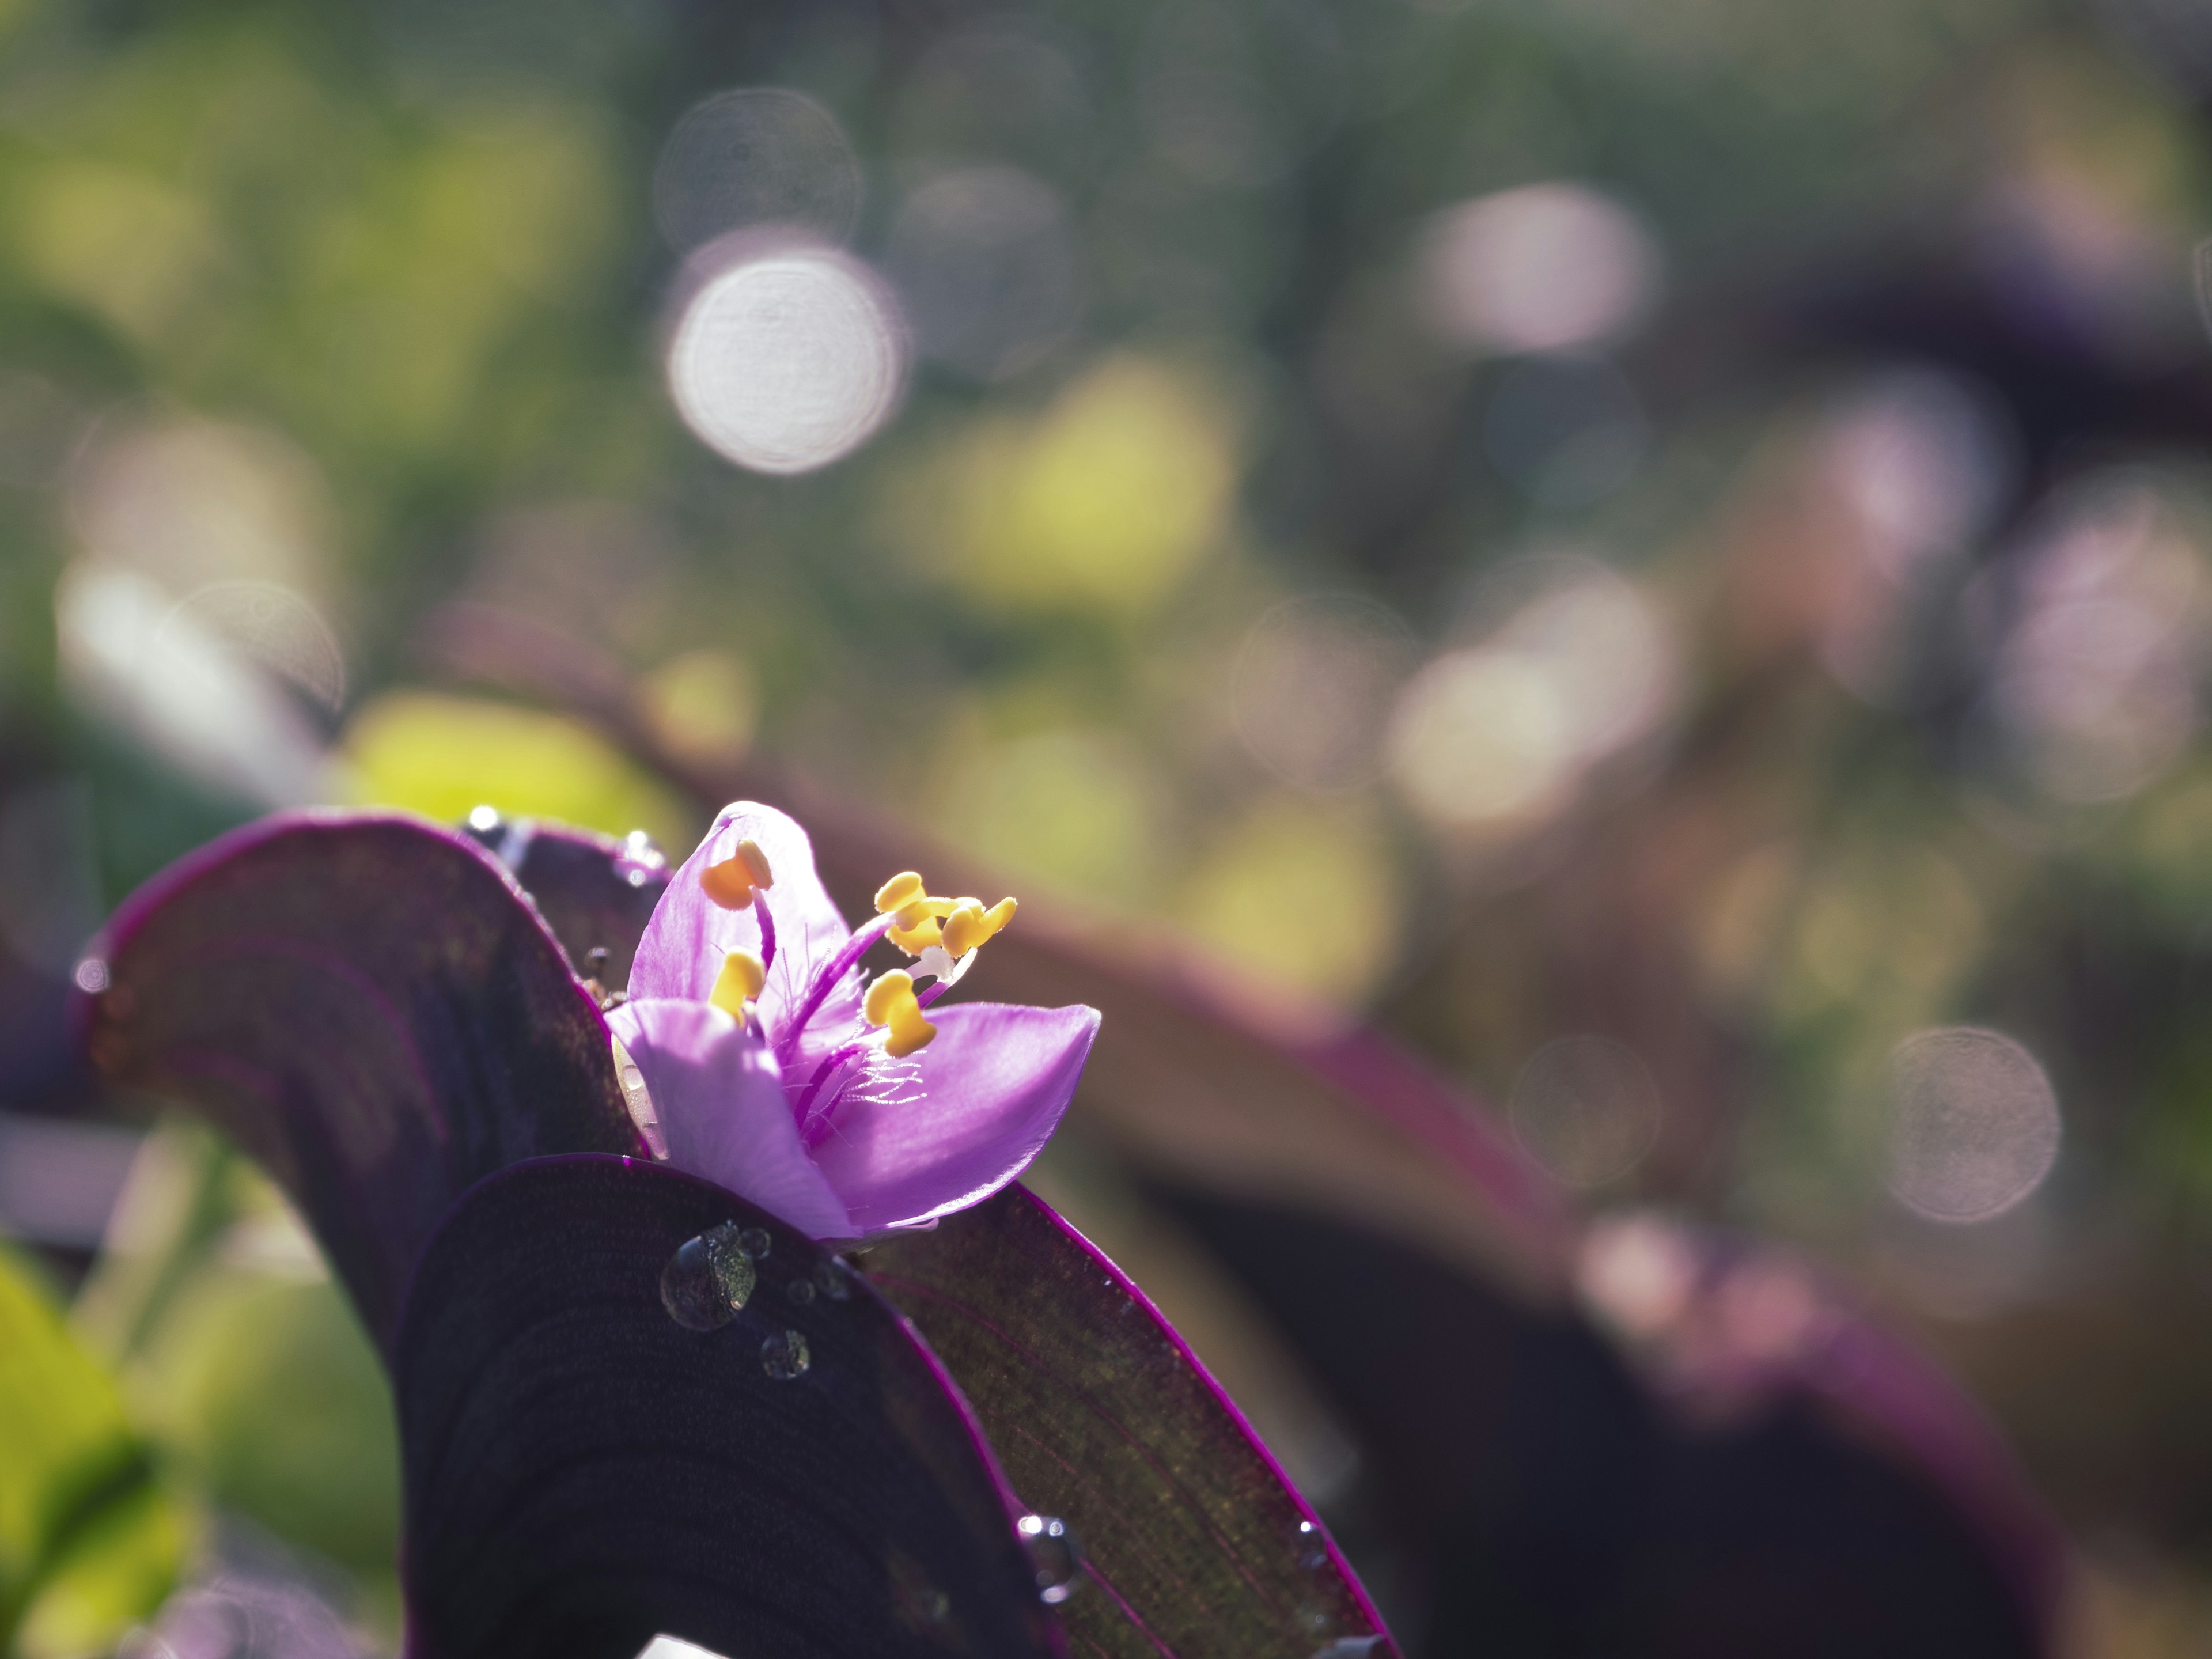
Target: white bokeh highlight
{"x":1500,"y":734}
{"x":1548,"y":267}
{"x":786,"y":357}
{"x":1973,"y":1124}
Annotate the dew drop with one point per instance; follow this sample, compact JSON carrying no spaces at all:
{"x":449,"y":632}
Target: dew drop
{"x":800,"y":1291}
{"x":1054,"y":1556}
{"x":784,"y":1356}
{"x":91,"y":976}
{"x":754,"y":1241}
{"x":708,"y":1280}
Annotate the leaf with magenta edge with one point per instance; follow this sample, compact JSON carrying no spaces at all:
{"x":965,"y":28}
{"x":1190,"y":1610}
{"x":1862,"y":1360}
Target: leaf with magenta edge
{"x":366,"y":1005}
{"x":584,"y":1472}
{"x":1194,"y":1542}
{"x":369,"y":1006}
{"x":593,"y":892}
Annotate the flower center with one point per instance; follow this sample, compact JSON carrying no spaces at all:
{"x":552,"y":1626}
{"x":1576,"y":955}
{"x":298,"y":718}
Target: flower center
{"x":942,"y":935}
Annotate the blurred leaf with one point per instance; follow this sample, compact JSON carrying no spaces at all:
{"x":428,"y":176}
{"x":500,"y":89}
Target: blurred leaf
{"x":88,"y":1541}
{"x":583,"y":1472}
{"x":273,"y":1393}
{"x":1103,"y":503}
{"x":443,"y":756}
{"x":1194,"y":1541}
{"x":1784,"y":1478}
{"x":366,"y":1006}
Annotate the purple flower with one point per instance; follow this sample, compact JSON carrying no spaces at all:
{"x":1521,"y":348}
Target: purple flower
{"x":756,"y":1056}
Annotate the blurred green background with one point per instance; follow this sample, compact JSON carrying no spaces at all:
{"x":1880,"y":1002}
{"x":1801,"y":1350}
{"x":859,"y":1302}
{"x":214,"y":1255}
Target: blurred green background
{"x":1660,"y":550}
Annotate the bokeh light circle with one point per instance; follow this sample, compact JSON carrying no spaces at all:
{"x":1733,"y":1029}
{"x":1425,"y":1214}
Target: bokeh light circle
{"x":1973,"y":1127}
{"x":1586,"y":1108}
{"x":1313,"y":687}
{"x":786,"y":357}
{"x":1548,"y":267}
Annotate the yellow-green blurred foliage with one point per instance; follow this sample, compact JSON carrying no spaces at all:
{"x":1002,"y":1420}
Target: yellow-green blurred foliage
{"x":90,"y":1539}
{"x":442,"y":756}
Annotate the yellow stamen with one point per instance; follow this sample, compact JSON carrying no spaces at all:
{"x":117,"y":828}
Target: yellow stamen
{"x":917,"y":938}
{"x":965,"y":928}
{"x":890,"y":1002}
{"x":731,"y":883}
{"x":971,"y":924}
{"x":739,"y":983}
{"x":915,"y":928}
{"x":901,"y":890}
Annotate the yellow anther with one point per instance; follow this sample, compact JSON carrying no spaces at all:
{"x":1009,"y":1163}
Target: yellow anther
{"x":917,"y":938}
{"x":731,"y":883}
{"x":914,"y":915}
{"x":965,"y":928}
{"x":971,"y":924}
{"x":901,"y":890}
{"x":739,"y":983}
{"x":890,"y":1002}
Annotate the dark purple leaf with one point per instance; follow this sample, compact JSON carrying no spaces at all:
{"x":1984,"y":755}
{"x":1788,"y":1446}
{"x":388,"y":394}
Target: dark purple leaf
{"x":366,"y":1005}
{"x":594,"y":892}
{"x":1798,"y":1482}
{"x":583,"y":1472}
{"x":1194,"y":1541}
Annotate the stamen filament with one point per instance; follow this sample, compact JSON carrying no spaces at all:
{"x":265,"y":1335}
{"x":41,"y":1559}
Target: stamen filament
{"x":830,"y":1063}
{"x":768,"y":937}
{"x":786,"y":1040}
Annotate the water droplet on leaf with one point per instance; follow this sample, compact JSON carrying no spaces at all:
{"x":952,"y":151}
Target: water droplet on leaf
{"x":800,"y":1291}
{"x":708,"y":1280}
{"x":784,"y":1356}
{"x":1054,"y":1556}
{"x":755,"y":1242}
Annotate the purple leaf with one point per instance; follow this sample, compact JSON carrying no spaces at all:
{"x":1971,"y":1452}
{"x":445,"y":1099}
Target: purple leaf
{"x":1795,"y":1483}
{"x":583,"y":1472}
{"x":367,"y":1006}
{"x":595,"y":893}
{"x":1194,"y":1541}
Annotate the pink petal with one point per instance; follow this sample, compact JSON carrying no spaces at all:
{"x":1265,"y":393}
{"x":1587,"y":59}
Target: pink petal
{"x":683,"y":944}
{"x":993,"y":1087}
{"x":721,"y":1102}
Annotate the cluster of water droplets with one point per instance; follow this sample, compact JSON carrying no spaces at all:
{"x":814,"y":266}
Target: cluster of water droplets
{"x":784,"y":1356}
{"x":709,"y":1278}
